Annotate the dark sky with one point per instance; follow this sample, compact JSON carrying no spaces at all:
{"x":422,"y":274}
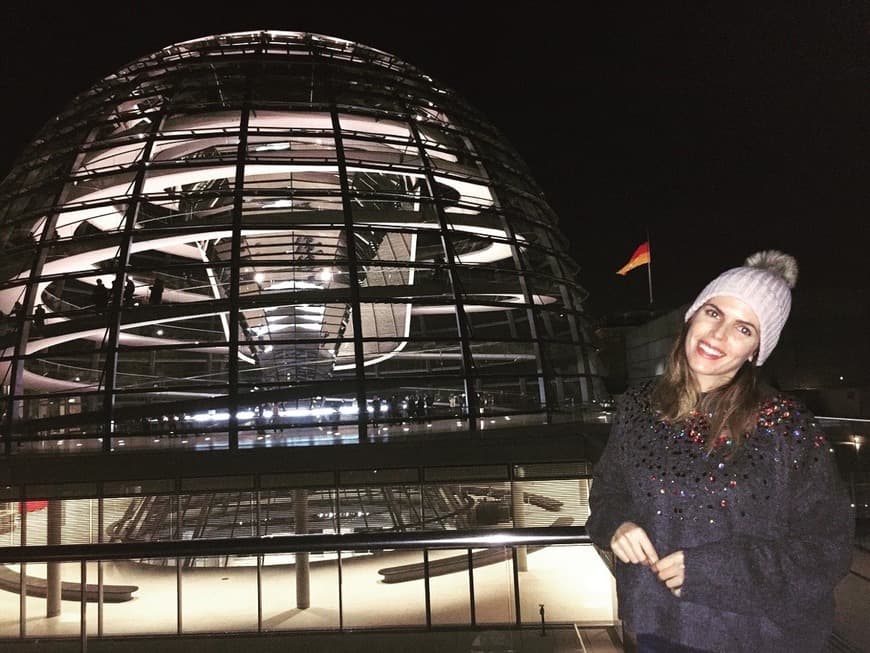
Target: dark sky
{"x":719,"y":129}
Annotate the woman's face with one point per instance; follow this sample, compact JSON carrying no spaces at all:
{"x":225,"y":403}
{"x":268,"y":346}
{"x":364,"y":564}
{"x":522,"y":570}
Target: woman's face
{"x":723,"y":334}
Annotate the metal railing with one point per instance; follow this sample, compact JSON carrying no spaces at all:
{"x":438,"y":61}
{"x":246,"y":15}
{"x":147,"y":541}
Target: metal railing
{"x":459,"y":539}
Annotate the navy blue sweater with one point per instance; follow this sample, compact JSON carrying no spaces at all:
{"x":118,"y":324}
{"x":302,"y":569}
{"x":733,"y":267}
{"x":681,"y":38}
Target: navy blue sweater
{"x":766,"y":534}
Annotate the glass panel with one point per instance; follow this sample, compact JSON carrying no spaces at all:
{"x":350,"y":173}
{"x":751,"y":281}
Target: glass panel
{"x":374,"y":210}
{"x":213,"y":515}
{"x":380,"y":508}
{"x":569,"y":400}
{"x":572,"y":583}
{"x":505,"y":357}
{"x":487,"y":285}
{"x":477,"y":246}
{"x":10,"y":622}
{"x":367,"y":589}
{"x":61,"y":521}
{"x":219,"y":594}
{"x":395,"y":409}
{"x":548,"y":289}
{"x":279,"y":514}
{"x":313,"y":184}
{"x":195,"y":371}
{"x":402,"y":246}
{"x":119,"y":155}
{"x":152,"y":606}
{"x":434,"y":321}
{"x":329,"y":419}
{"x":389,"y":152}
{"x":291,"y":121}
{"x":10,"y":523}
{"x":149,"y":518}
{"x":65,"y":624}
{"x":564,"y":358}
{"x":506,"y":395}
{"x":388,"y":323}
{"x":281,"y":609}
{"x":550,"y":503}
{"x":449,"y":587}
{"x":493,"y":586}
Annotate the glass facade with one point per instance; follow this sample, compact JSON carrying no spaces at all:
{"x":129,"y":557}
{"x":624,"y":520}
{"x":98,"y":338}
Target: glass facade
{"x":378,"y":586}
{"x":271,"y":239}
{"x":264,"y":240}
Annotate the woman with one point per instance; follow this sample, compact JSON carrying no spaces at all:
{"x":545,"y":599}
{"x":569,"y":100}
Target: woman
{"x":718,"y":496}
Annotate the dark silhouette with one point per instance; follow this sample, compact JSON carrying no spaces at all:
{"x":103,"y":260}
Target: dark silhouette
{"x":156,"y":292}
{"x":100,"y":296}
{"x":129,"y":292}
{"x":39,"y":317}
{"x":376,"y":410}
{"x":438,"y":271}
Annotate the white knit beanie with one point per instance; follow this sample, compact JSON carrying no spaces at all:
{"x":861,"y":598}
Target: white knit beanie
{"x":764,"y":282}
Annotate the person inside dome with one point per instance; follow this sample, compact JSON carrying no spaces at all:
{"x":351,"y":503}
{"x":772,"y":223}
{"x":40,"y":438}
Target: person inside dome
{"x":718,"y":495}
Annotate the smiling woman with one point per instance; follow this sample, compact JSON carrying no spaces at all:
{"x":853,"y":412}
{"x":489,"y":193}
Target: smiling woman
{"x":718,"y":496}
{"x":722,"y":336}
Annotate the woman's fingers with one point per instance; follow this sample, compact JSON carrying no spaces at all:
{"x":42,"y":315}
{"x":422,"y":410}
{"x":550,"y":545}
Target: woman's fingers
{"x":671,"y":570}
{"x":631,"y":544}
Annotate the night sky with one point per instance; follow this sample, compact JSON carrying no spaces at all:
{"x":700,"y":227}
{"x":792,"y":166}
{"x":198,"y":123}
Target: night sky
{"x":720,"y":130}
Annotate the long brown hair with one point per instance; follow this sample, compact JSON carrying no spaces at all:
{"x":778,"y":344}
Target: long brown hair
{"x":732,"y":408}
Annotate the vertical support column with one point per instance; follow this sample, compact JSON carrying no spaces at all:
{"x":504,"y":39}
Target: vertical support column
{"x":235,"y":280}
{"x":353,"y":278}
{"x":22,"y":574}
{"x":583,"y":484}
{"x":517,"y":604}
{"x":110,"y":365}
{"x":100,"y":581}
{"x":179,"y":605}
{"x":472,"y":611}
{"x":15,"y":377}
{"x":53,"y":538}
{"x":427,"y":589}
{"x":303,"y":588}
{"x":83,"y":597}
{"x":518,"y":511}
{"x":472,"y":404}
{"x":258,"y":533}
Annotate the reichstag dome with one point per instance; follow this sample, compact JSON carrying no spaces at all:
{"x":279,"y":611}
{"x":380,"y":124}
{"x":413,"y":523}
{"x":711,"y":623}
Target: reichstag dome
{"x":291,"y":344}
{"x":269,"y":239}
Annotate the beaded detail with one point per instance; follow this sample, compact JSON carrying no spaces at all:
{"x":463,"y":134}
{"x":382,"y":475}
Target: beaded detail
{"x":686,"y":482}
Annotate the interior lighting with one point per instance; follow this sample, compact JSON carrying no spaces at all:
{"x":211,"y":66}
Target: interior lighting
{"x":272,"y":147}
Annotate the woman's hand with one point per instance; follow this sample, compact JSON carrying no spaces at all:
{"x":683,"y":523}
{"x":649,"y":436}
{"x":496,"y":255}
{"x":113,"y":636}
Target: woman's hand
{"x":631,"y":544}
{"x":671,"y":570}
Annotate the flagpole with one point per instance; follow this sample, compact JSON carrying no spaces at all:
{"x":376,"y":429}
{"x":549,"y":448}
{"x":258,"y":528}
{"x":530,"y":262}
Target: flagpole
{"x":649,"y":267}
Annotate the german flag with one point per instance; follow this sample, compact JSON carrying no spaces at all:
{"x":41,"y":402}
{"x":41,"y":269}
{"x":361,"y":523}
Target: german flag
{"x":640,"y":257}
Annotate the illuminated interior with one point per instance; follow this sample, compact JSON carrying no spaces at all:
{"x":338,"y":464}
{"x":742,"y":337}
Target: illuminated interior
{"x":331,"y":228}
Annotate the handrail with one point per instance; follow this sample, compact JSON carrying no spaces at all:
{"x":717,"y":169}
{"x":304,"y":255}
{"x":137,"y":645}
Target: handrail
{"x":459,"y":539}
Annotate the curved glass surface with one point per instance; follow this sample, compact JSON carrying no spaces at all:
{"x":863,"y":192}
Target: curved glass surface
{"x":279,"y":238}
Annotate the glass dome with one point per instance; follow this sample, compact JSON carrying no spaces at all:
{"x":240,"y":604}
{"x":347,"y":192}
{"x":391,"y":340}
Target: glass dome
{"x":279,"y":238}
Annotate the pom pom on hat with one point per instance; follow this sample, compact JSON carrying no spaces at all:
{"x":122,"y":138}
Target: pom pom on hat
{"x":776,"y":263}
{"x":764,"y":282}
